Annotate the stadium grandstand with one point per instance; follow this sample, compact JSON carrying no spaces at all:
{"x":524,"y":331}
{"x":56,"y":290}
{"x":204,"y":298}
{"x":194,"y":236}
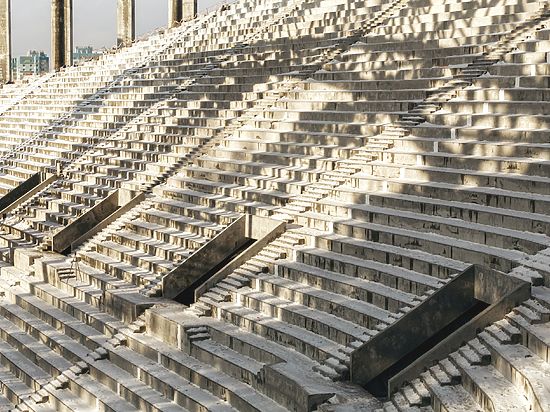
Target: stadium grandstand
{"x":283,"y":205}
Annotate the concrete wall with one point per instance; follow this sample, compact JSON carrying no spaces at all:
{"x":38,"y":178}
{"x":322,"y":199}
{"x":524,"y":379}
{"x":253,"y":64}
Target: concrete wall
{"x":388,"y":347}
{"x":501,"y":291}
{"x":62,"y":33}
{"x":25,"y":191}
{"x":205,"y":259}
{"x":492,"y":285}
{"x":125,"y":206}
{"x":264,"y":231}
{"x":126,"y":22}
{"x":5,"y":40}
{"x":85,"y":223}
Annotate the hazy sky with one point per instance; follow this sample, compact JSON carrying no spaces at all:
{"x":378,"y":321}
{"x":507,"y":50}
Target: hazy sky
{"x":94,"y":22}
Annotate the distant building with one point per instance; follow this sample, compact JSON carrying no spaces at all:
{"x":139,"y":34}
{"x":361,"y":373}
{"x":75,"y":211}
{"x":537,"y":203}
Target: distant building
{"x":84,"y":53}
{"x":34,"y":63}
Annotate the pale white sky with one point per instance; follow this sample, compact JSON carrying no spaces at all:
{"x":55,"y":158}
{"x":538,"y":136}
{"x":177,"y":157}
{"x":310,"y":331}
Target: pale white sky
{"x":94,"y":22}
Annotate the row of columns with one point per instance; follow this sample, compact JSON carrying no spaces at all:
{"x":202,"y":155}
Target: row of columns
{"x":62,"y":28}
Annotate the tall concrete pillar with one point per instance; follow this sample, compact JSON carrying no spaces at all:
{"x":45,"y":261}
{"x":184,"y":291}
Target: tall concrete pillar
{"x":5,"y":41}
{"x":62,"y":33}
{"x":126,"y":22}
{"x":189,"y":9}
{"x":181,"y":10}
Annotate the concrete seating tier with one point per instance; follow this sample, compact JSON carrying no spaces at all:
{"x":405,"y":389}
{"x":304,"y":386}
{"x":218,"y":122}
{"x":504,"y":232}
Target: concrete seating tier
{"x":75,"y":137}
{"x":278,"y":298}
{"x":505,"y":367}
{"x":53,"y":352}
{"x":98,"y":141}
{"x":73,"y":86}
{"x":401,"y":142}
{"x":326,"y":298}
{"x":150,"y":240}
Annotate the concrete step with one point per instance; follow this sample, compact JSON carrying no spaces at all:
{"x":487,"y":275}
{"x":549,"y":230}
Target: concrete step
{"x":417,"y":260}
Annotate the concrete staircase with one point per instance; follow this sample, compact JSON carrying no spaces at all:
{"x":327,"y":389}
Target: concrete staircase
{"x":150,"y":240}
{"x":320,"y":300}
{"x":400,"y":141}
{"x":504,"y":368}
{"x":60,"y":360}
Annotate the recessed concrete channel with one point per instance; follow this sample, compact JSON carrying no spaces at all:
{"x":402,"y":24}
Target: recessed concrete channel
{"x":452,"y":315}
{"x":219,"y":257}
{"x":94,"y":220}
{"x":25,"y":191}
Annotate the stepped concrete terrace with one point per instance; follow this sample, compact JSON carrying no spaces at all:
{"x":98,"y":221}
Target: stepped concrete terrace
{"x":395,"y":146}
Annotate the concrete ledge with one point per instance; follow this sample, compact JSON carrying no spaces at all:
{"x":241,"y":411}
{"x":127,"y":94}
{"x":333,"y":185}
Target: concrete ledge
{"x":125,"y":206}
{"x":127,"y":304}
{"x":24,"y":258}
{"x":505,"y":293}
{"x":25,"y":191}
{"x":205,"y":259}
{"x":94,"y":220}
{"x":281,"y":386}
{"x":166,"y":321}
{"x":264,"y":231}
{"x":389,"y":346}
